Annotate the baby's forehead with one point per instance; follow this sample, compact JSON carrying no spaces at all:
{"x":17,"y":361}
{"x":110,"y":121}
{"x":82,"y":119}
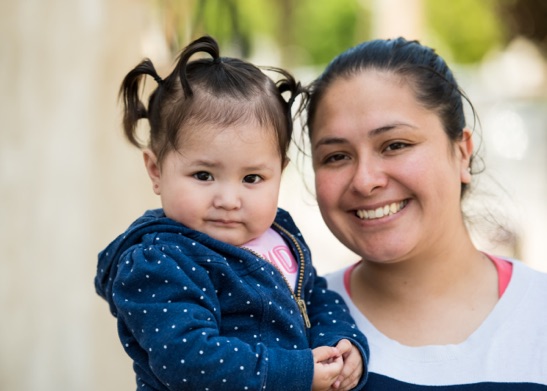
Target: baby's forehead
{"x":197,"y":134}
{"x":208,"y":116}
{"x":236,"y":148}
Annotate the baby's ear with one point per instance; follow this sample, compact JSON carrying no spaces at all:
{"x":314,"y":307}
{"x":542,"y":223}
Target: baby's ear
{"x":285,"y":162}
{"x":153,"y":169}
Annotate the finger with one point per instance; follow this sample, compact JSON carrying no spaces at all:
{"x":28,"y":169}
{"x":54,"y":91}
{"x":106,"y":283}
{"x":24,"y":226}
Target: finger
{"x":352,"y":371}
{"x":352,"y":365}
{"x":325,"y":353}
{"x":326,"y":374}
{"x":349,"y":379}
{"x":344,"y":346}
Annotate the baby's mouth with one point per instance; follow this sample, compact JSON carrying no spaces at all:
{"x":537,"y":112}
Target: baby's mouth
{"x":382,"y":211}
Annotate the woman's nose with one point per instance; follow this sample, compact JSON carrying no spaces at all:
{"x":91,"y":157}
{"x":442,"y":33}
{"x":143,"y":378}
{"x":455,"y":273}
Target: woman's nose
{"x":368,"y":176}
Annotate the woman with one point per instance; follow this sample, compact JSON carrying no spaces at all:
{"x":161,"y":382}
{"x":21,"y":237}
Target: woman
{"x":393,"y":159}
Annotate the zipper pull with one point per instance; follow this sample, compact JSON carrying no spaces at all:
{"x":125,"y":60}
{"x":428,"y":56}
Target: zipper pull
{"x":304,"y":312}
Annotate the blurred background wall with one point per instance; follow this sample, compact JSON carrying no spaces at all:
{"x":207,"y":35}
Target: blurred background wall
{"x":69,"y":183}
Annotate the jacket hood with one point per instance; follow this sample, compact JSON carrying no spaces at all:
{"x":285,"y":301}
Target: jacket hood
{"x":152,"y":221}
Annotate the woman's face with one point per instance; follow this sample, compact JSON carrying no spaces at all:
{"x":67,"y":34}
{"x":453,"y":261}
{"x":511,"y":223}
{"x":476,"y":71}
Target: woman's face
{"x":387,"y":178}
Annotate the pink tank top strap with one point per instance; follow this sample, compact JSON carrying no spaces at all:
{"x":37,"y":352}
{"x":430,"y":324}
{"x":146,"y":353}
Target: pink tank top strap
{"x":505,"y":270}
{"x":503,"y":267}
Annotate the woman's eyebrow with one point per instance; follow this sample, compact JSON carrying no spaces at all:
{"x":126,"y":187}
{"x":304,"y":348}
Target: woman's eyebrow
{"x":382,"y":129}
{"x":334,"y":140}
{"x":329,"y":141}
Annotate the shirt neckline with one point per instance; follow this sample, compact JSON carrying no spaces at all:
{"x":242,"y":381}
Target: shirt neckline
{"x":514,"y":291}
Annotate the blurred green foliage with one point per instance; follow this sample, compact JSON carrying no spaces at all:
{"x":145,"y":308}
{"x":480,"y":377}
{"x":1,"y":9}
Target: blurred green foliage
{"x":319,"y":28}
{"x":324,"y":28}
{"x":468,"y":28}
{"x":311,"y":32}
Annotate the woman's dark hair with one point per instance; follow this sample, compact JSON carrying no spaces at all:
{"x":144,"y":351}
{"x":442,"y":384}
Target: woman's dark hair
{"x":426,"y":72}
{"x":219,"y":91}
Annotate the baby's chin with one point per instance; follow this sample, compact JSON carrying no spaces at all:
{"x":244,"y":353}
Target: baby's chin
{"x":232,"y":238}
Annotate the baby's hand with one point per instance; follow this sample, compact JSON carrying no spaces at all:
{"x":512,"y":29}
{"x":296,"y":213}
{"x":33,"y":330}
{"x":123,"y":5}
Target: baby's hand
{"x":327,"y":368}
{"x":352,"y":369}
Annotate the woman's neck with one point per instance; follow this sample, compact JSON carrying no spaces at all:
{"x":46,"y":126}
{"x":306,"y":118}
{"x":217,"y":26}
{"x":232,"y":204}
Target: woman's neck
{"x":425,"y":273}
{"x":419,"y":300}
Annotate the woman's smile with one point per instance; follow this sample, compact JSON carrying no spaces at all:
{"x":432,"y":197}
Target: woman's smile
{"x":382,"y":211}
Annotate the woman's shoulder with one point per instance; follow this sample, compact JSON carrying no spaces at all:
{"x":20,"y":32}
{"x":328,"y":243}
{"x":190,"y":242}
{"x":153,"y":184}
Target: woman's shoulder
{"x":525,"y":273}
{"x":337,"y":279}
{"x":530,"y":286}
{"x":339,"y":282}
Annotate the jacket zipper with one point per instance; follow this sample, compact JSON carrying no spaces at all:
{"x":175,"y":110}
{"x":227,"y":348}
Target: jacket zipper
{"x":299,"y":284}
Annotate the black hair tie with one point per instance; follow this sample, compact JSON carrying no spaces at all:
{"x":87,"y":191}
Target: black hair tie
{"x":217,"y":60}
{"x":157,"y":78}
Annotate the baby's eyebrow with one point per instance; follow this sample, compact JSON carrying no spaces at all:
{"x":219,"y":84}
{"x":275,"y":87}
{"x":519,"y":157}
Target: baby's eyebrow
{"x":215,"y":164}
{"x":204,"y":163}
{"x":259,"y":167}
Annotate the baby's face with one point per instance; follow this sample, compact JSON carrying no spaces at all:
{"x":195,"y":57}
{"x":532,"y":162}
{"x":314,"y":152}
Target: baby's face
{"x":223,"y":181}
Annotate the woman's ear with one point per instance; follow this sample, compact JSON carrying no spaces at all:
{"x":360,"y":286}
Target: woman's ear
{"x":153,"y":168}
{"x":465,"y":147}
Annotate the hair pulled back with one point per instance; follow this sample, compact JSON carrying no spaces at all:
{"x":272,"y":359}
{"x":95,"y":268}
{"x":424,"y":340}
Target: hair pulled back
{"x":218,"y":91}
{"x":429,"y":76}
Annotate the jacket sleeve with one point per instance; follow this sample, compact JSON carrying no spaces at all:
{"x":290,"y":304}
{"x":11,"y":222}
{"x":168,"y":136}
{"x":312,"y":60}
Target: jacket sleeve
{"x":169,"y":320}
{"x":331,"y":320}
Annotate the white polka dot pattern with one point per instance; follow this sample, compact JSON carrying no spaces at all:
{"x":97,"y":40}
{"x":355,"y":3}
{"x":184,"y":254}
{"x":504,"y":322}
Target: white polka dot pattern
{"x":195,"y":313}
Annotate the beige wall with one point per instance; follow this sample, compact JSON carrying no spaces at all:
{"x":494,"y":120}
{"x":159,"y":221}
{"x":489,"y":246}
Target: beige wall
{"x":64,"y":194}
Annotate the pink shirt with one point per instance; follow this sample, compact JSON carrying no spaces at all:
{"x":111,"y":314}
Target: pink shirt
{"x":273,"y":248}
{"x":505,"y":270}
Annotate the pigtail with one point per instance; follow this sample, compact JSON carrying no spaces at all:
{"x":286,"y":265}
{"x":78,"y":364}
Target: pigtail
{"x":204,"y":44}
{"x":133,"y":108}
{"x":288,"y":83}
{"x":233,"y":91}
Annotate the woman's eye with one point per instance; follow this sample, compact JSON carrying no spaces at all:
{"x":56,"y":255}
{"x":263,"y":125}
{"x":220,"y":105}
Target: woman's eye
{"x":253,"y":178}
{"x":203,"y":176}
{"x":335,"y":158}
{"x":396,"y":146}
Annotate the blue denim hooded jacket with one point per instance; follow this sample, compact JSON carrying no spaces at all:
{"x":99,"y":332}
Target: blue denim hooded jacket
{"x":195,"y":313}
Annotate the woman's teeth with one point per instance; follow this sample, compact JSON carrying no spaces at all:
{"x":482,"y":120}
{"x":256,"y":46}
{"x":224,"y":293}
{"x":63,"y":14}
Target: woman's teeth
{"x":380,"y":212}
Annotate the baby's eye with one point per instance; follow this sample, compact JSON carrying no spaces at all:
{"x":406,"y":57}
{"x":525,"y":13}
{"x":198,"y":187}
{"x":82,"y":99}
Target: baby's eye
{"x":203,"y":176}
{"x":253,"y":178}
